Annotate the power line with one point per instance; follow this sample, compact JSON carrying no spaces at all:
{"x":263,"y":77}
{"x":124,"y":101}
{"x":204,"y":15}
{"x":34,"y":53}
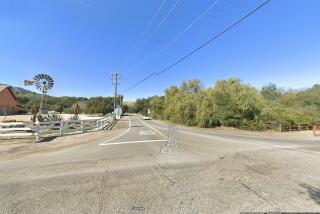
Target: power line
{"x":177,"y":37}
{"x":145,"y":30}
{"x":203,"y":45}
{"x":189,"y":26}
{"x":155,"y":30}
{"x":141,"y":81}
{"x":213,"y":38}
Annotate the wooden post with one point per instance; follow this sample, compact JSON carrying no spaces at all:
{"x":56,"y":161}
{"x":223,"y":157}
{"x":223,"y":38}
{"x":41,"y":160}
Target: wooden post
{"x":61,"y":128}
{"x":314,"y":130}
{"x":82,"y":126}
{"x":37,"y":129}
{"x":280,"y":127}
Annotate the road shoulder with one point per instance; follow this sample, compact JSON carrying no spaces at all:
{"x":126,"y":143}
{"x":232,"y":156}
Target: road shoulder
{"x":296,"y":135}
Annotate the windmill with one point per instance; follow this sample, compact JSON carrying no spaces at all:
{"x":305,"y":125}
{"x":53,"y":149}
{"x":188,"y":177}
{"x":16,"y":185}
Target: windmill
{"x":42,"y":82}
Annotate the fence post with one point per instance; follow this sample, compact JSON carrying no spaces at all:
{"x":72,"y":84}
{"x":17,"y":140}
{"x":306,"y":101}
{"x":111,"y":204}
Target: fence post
{"x":82,"y":126}
{"x":37,"y":129}
{"x":61,"y":128}
{"x":314,"y":130}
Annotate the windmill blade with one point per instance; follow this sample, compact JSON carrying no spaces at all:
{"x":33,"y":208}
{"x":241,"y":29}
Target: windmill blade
{"x":43,"y":82}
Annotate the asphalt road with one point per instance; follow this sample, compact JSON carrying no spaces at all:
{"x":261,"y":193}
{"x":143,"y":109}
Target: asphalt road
{"x":126,"y":173}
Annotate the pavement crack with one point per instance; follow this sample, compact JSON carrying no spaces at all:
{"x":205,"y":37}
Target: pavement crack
{"x":255,"y":193}
{"x":209,"y":165}
{"x":101,"y":191}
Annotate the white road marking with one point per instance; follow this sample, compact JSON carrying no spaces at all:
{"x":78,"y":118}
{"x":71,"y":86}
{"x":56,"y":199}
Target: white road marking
{"x":146,"y":132}
{"x":128,"y":142}
{"x":154,"y":129}
{"x":103,"y":143}
{"x":280,"y":146}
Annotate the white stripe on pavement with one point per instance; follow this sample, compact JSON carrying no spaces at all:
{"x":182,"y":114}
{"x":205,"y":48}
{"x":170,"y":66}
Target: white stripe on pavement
{"x":128,"y":142}
{"x":118,"y":135}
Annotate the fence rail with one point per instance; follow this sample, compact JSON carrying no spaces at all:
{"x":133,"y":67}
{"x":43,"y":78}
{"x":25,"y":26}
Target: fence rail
{"x":51,"y":128}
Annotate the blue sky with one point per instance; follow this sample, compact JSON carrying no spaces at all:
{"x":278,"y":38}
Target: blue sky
{"x":81,"y":42}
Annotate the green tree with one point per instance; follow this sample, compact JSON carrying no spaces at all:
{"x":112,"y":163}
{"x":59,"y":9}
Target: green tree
{"x":99,"y":105}
{"x":270,"y":92}
{"x":236,"y":102}
{"x":157,"y":107}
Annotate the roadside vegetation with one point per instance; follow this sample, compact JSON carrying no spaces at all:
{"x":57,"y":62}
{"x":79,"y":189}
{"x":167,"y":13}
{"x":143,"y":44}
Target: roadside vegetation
{"x":65,"y":104}
{"x":235,"y":104}
{"x":228,"y":103}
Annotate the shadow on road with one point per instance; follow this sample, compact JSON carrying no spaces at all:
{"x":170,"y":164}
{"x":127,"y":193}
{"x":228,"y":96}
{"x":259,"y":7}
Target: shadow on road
{"x":47,"y":139}
{"x":136,"y":125}
{"x":313,"y":192}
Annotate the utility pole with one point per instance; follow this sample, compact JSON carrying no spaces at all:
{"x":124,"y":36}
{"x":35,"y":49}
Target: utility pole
{"x":120,"y":99}
{"x":115,"y":78}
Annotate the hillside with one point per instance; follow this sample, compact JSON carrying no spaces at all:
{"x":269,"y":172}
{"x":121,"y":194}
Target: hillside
{"x":20,"y":90}
{"x":65,"y":104}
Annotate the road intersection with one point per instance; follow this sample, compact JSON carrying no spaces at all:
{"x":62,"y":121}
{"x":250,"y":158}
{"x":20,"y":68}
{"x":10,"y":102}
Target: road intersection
{"x":126,"y":173}
{"x":137,"y":132}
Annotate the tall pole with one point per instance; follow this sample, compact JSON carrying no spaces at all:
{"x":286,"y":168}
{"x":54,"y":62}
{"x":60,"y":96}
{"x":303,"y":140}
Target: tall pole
{"x":115,"y":78}
{"x":41,"y":102}
{"x":120,"y":99}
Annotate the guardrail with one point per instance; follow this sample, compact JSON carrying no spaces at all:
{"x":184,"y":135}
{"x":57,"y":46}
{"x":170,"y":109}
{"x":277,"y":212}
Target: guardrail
{"x":51,"y":128}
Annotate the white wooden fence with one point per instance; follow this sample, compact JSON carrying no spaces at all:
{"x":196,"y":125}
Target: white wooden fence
{"x":52,"y":128}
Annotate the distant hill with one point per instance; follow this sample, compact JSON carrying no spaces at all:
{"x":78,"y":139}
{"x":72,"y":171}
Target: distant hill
{"x":93,"y":105}
{"x":315,"y":90}
{"x":20,"y":90}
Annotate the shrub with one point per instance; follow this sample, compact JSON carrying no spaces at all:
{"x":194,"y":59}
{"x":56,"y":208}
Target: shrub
{"x":54,"y":117}
{"x":74,"y":117}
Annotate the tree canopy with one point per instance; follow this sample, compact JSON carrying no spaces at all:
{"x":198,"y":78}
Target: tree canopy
{"x":232,"y":103}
